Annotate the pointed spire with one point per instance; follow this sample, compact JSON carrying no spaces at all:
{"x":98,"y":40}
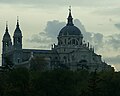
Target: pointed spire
{"x":69,"y":10}
{"x":6,"y":35}
{"x":17,"y":21}
{"x":6,"y":30}
{"x":70,"y":19}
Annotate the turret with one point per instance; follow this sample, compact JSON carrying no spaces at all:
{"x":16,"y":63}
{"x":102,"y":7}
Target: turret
{"x":6,"y":42}
{"x":17,"y":38}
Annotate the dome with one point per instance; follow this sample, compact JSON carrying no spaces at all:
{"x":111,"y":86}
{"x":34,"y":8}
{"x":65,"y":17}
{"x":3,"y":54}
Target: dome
{"x":69,"y":30}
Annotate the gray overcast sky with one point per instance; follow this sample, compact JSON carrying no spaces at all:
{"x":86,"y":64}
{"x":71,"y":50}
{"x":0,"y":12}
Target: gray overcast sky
{"x":38,"y":18}
{"x":64,"y":2}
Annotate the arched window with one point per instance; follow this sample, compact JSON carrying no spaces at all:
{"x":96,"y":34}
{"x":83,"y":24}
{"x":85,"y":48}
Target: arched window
{"x":65,"y":59}
{"x":18,"y":60}
{"x":65,"y":41}
{"x":7,"y":44}
{"x":61,"y":42}
{"x":73,"y":41}
{"x":18,"y":40}
{"x":70,"y":42}
{"x":76,"y":42}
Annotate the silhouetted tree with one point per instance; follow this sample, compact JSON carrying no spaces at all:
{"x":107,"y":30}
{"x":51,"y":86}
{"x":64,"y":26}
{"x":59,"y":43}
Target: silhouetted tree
{"x":17,"y":82}
{"x":9,"y":64}
{"x":93,"y":84}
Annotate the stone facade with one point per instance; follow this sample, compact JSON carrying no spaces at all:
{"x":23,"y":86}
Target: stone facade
{"x":71,"y":51}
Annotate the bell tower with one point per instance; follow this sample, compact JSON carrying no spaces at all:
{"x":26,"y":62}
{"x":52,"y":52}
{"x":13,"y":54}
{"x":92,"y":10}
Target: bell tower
{"x":6,"y":44}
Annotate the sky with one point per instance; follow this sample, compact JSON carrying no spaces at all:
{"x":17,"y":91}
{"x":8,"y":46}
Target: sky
{"x":41,"y":21}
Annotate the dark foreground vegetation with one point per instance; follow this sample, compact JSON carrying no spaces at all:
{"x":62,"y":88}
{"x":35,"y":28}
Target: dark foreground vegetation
{"x":59,"y":82}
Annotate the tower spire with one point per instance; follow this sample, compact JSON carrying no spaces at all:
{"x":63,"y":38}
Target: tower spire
{"x":69,"y":9}
{"x":6,"y":26}
{"x":17,"y":38}
{"x":70,"y":19}
{"x":17,"y":21}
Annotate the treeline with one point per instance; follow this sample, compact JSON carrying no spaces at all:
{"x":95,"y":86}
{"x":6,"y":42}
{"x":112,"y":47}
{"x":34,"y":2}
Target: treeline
{"x":59,"y":82}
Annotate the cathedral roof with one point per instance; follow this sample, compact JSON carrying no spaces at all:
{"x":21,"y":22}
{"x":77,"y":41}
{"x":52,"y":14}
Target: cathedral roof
{"x":70,"y":28}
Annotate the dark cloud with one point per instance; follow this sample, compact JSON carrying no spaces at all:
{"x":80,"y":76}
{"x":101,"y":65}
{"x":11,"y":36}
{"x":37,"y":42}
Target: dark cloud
{"x":53,"y":28}
{"x":78,"y":23}
{"x":87,"y":35}
{"x":51,"y":31}
{"x":113,"y":60}
{"x":117,"y":25}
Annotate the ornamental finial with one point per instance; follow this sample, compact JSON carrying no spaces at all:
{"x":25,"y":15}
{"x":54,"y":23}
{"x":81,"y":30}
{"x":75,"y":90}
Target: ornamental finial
{"x":70,"y":9}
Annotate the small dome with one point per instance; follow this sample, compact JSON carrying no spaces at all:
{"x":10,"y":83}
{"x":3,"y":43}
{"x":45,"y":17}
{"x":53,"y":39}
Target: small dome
{"x":69,"y":30}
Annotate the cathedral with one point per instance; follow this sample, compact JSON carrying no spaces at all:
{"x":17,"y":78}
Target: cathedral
{"x":71,"y":51}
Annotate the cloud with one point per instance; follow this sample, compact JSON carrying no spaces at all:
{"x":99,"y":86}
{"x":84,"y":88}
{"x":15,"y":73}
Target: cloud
{"x":114,"y":41}
{"x":87,"y":35}
{"x":40,"y":38}
{"x":78,"y":23}
{"x":98,"y":40}
{"x":94,"y":38}
{"x":117,"y":25}
{"x":53,"y":28}
{"x":113,"y":60}
{"x":49,"y":36}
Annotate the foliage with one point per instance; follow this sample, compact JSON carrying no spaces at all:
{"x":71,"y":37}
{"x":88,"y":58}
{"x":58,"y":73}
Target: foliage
{"x":9,"y":64}
{"x":58,"y":82}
